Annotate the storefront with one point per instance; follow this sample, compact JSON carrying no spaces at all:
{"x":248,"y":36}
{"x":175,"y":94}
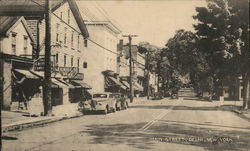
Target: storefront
{"x":112,"y":83}
{"x":79,"y":91}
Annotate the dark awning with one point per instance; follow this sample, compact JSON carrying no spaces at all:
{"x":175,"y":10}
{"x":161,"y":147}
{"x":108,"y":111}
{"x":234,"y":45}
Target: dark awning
{"x":80,"y":84}
{"x":27,"y":74}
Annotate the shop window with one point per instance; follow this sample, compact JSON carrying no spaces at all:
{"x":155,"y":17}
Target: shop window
{"x":85,"y":65}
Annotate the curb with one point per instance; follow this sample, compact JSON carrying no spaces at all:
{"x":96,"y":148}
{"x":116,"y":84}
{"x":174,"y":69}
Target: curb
{"x":240,"y":114}
{"x":19,"y":127}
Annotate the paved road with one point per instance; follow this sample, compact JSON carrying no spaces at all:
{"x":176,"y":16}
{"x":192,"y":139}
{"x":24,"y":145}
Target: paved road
{"x":174,"y":125}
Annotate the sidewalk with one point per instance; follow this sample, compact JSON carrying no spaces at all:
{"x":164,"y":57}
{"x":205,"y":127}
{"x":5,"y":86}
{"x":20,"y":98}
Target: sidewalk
{"x":18,"y":120}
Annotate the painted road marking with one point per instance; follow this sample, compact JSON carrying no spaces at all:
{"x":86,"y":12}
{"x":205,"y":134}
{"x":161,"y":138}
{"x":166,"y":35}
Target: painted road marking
{"x":161,"y":115}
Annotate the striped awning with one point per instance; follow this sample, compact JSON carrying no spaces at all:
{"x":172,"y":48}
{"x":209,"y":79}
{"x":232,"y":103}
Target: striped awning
{"x":80,"y":84}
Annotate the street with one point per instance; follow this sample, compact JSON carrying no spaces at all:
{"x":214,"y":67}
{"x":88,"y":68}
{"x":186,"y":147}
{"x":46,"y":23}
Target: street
{"x":184,"y":124}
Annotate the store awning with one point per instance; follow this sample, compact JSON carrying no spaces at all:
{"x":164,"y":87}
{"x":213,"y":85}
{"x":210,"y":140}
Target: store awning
{"x":138,"y":87}
{"x":58,"y":83}
{"x":27,"y":74}
{"x":126,"y":84}
{"x":115,"y":81}
{"x":80,"y":84}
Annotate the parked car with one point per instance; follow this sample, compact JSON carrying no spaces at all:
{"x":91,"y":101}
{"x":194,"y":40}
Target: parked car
{"x":157,"y":96}
{"x":121,"y":101}
{"x":104,"y":102}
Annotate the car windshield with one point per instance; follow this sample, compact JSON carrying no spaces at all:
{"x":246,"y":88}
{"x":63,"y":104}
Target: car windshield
{"x":100,"y":96}
{"x":116,"y":95}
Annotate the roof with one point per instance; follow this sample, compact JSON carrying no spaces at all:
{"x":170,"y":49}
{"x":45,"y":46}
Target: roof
{"x":94,"y":14}
{"x":26,"y":7}
{"x":7,"y":23}
{"x":37,"y":8}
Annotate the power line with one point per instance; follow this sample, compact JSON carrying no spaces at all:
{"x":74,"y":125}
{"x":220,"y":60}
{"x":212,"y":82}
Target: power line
{"x":88,"y":38}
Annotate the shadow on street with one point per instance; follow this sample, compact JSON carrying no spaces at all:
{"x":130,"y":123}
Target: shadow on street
{"x":129,"y":134}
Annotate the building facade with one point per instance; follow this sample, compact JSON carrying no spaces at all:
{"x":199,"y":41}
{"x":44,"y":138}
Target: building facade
{"x":101,"y":54}
{"x":68,"y":34}
{"x":16,"y":45}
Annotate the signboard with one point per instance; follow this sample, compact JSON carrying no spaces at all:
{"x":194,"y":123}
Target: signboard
{"x":39,"y":64}
{"x":69,"y":72}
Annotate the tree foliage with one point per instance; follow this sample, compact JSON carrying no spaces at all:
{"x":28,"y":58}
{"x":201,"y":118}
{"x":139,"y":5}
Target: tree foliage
{"x":223,"y":37}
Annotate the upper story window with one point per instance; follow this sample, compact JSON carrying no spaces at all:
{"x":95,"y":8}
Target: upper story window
{"x":78,"y":42}
{"x":13,"y":43}
{"x":78,"y":63}
{"x":72,"y":61}
{"x":57,"y":32}
{"x":61,"y":15}
{"x":72,"y":39}
{"x":85,"y":42}
{"x":65,"y":60}
{"x":25,"y":44}
{"x":85,"y":65}
{"x":69,"y":16}
{"x":65,"y":36}
{"x":56,"y":59}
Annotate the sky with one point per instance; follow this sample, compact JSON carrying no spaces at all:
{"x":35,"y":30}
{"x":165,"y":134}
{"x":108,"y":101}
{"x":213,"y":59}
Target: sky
{"x":153,"y":21}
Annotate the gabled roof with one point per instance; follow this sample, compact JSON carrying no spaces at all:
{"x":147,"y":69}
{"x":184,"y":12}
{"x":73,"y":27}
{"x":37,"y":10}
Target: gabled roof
{"x":37,"y":8}
{"x":96,"y":15}
{"x":7,"y":23}
{"x":26,"y":7}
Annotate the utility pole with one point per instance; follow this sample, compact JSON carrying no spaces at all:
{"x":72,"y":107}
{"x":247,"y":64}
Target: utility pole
{"x":130,"y":67}
{"x":148,"y":75}
{"x":47,"y":64}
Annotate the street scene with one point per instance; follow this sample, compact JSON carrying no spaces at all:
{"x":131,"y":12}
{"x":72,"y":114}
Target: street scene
{"x":79,"y":75}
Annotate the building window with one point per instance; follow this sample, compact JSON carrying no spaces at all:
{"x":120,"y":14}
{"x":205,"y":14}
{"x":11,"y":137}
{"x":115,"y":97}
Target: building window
{"x":68,"y":16}
{"x":13,"y":43}
{"x":78,"y":42}
{"x":65,"y":60}
{"x":25,"y":44}
{"x":72,"y":61}
{"x":56,"y":59}
{"x":65,"y":36}
{"x":85,"y":42}
{"x":85,"y":65}
{"x":57,"y":32}
{"x":78,"y":64}
{"x":72,"y":39}
{"x":61,"y":15}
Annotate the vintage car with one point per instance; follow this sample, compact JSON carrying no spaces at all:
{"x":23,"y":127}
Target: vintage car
{"x":104,"y":102}
{"x":121,"y":101}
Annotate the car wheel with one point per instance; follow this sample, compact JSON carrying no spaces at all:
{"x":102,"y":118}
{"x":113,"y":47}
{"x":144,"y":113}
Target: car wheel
{"x":125,"y":106}
{"x":85,"y":112}
{"x":114,"y":109}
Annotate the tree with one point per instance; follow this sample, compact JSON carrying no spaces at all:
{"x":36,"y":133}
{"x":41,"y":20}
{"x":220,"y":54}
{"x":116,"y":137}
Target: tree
{"x":184,"y":58}
{"x":223,"y":31}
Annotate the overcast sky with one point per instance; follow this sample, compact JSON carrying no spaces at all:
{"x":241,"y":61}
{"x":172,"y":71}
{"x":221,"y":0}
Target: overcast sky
{"x":153,"y":21}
